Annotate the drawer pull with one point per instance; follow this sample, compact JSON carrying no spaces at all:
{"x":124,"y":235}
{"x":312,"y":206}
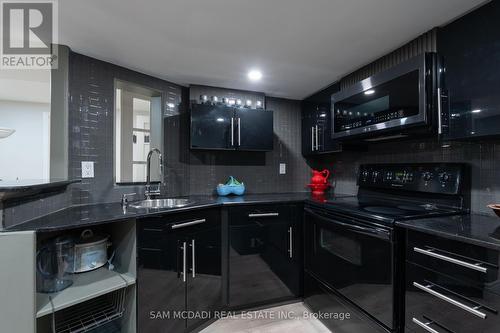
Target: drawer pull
{"x":188,"y":224}
{"x":263,"y":214}
{"x":425,"y":326}
{"x":462,"y":306}
{"x":433,"y":254}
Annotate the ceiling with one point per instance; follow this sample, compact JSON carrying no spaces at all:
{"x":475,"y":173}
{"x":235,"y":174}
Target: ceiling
{"x":300,"y":46}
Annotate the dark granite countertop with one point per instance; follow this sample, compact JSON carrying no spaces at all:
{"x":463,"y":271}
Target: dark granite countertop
{"x":482,"y":230}
{"x":21,"y":188}
{"x":87,"y":215}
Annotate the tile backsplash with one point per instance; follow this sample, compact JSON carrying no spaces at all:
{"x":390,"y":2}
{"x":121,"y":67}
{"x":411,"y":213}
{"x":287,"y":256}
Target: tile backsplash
{"x":483,"y":158}
{"x":91,"y":126}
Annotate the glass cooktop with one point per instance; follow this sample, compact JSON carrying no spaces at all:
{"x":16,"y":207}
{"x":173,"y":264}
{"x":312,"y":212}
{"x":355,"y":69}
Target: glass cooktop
{"x":388,"y":210}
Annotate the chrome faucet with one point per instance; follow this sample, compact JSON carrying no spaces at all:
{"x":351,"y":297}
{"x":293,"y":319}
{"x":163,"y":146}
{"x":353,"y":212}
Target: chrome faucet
{"x":149,"y":192}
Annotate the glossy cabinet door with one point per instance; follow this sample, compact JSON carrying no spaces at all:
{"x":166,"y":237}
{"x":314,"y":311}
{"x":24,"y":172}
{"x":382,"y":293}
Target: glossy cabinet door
{"x":308,"y":131}
{"x":212,"y":127}
{"x":204,"y":283}
{"x":317,"y":124}
{"x":470,"y":49}
{"x":254,"y":129}
{"x":160,"y":284}
{"x":179,"y":270}
{"x":219,"y":127}
{"x":264,"y":254}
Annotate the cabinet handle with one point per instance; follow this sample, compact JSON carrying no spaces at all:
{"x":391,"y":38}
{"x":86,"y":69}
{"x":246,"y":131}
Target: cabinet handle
{"x":431,"y":253}
{"x":425,"y":326}
{"x":184,"y":254}
{"x":312,"y":138}
{"x":263,"y":214}
{"x":458,"y":304}
{"x":317,"y":138}
{"x":188,"y":224}
{"x":232,"y":131}
{"x":239,"y":131}
{"x":440,"y":112}
{"x":290,"y":235}
{"x":193,"y":253}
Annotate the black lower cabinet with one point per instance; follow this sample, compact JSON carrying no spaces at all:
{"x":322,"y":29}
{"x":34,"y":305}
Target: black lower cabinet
{"x":446,"y":304}
{"x":179,"y":271}
{"x":451,"y":286}
{"x":265,"y":254}
{"x":334,"y":311}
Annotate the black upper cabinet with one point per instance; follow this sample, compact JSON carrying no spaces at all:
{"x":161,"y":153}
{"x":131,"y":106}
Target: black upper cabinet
{"x":211,"y":127}
{"x":471,"y":49}
{"x":317,"y":123}
{"x":254,"y":129}
{"x":219,"y":127}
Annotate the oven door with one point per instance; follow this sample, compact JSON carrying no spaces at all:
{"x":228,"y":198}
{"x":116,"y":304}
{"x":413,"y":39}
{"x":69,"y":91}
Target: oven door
{"x":353,"y":258}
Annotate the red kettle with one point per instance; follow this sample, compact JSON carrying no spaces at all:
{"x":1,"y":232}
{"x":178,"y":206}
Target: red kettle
{"x":320,"y":177}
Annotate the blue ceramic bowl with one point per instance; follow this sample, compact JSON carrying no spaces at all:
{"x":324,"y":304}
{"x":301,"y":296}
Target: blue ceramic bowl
{"x":238,"y":189}
{"x":224,"y":190}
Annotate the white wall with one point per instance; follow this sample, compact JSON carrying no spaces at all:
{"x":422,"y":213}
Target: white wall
{"x":26,"y":153}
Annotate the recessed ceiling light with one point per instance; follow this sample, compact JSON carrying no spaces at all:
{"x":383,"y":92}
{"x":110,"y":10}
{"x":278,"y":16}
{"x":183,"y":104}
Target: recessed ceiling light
{"x":255,"y":75}
{"x":370,"y":92}
{"x":476,"y":111}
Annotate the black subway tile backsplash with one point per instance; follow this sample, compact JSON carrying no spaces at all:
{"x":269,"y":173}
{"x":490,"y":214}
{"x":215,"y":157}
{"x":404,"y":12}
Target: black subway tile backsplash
{"x":91,"y":124}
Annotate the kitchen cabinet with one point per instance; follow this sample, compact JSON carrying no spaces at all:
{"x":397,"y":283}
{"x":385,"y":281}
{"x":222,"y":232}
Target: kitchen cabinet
{"x":470,"y":49}
{"x":317,"y":124}
{"x":179,"y":270}
{"x":265,"y":254}
{"x":450,"y":286}
{"x":219,"y":127}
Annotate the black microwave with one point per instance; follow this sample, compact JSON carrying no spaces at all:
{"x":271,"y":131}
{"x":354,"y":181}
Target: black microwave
{"x":402,"y":101}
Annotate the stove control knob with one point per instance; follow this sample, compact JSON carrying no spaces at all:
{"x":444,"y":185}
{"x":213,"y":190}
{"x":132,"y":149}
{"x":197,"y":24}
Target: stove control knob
{"x":364,"y":175}
{"x":444,"y":177}
{"x":375,"y":176}
{"x":427,"y":176}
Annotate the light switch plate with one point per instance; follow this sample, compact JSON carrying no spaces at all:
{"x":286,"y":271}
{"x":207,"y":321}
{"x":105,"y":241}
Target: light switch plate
{"x":282,"y":168}
{"x":87,"y":169}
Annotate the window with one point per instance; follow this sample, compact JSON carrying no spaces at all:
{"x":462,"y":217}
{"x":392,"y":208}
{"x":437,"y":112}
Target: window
{"x":138,"y":129}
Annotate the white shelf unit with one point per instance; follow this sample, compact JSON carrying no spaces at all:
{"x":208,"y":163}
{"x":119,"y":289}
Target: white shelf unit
{"x":85,"y":286}
{"x":90,"y":286}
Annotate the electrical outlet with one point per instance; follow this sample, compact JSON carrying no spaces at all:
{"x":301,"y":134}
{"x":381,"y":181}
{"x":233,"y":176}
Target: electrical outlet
{"x":282,"y":168}
{"x":87,"y":169}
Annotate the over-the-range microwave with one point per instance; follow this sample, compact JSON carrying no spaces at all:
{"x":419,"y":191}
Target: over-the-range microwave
{"x":402,"y":101}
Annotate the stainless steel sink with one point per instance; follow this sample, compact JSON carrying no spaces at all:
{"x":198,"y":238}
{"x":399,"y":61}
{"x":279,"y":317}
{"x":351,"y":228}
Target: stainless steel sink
{"x":160,"y":203}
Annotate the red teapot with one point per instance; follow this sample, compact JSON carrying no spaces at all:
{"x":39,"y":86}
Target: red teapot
{"x":320,"y":177}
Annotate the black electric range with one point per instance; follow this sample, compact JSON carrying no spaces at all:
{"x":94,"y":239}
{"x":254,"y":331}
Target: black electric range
{"x":351,"y":245}
{"x":386,"y":209}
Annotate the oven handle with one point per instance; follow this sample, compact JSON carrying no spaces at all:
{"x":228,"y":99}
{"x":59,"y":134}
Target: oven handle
{"x":370,"y":231}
